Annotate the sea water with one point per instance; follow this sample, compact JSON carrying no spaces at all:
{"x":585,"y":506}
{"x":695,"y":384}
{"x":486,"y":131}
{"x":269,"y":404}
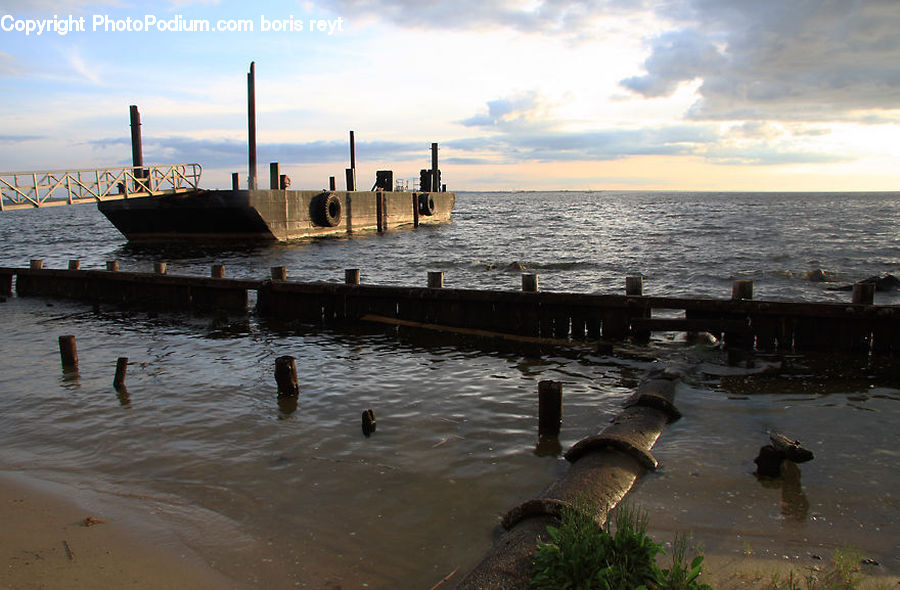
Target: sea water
{"x":197,"y":450}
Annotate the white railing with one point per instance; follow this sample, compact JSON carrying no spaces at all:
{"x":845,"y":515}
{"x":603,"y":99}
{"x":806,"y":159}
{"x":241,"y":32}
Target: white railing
{"x":23,"y":190}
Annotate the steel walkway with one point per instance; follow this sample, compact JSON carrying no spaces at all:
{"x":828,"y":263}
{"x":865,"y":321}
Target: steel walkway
{"x":24,"y":190}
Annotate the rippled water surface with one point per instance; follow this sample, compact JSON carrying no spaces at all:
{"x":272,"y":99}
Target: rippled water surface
{"x":278,"y":496}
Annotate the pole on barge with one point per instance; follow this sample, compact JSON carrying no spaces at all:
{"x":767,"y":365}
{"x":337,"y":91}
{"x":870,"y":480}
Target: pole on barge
{"x":351,"y":171}
{"x":137,"y":151}
{"x":251,"y":124}
{"x":435,"y":179}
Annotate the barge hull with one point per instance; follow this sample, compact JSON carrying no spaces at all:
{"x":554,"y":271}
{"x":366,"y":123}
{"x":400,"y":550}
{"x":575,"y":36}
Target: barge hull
{"x":273,"y":215}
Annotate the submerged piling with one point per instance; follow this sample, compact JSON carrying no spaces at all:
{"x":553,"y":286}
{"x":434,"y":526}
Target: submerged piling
{"x":68,"y":353}
{"x":530,"y":282}
{"x":549,"y":408}
{"x":121,"y":369}
{"x":74,"y":265}
{"x":351,"y":276}
{"x":286,"y":377}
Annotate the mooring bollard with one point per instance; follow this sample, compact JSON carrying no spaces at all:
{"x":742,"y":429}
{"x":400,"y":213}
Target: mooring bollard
{"x":529,"y":282}
{"x":36,"y":264}
{"x":68,"y":353}
{"x":549,"y":408}
{"x":112,"y":265}
{"x":368,"y":422}
{"x":159,"y":268}
{"x":634,"y":286}
{"x":435,"y":279}
{"x":121,"y":368}
{"x":864,"y":293}
{"x":742,"y":289}
{"x":351,"y":276}
{"x":217,"y":271}
{"x":286,"y":377}
{"x":74,"y":265}
{"x":279,"y":273}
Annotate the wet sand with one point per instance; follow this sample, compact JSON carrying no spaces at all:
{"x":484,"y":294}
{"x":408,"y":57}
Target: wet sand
{"x":47,"y":544}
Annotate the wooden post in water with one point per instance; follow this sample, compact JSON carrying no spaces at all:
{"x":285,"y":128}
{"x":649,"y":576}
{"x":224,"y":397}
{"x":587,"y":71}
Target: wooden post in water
{"x":112,"y":265}
{"x":368,"y":422}
{"x":530,"y":282}
{"x":741,"y":289}
{"x":68,"y":353}
{"x":863,"y":293}
{"x":235,"y":181}
{"x":351,"y":276}
{"x":435,"y":279}
{"x":634,"y":286}
{"x":279,"y":273}
{"x":251,"y":125}
{"x":36,"y":264}
{"x":217,"y":271}
{"x":332,"y":185}
{"x":286,"y":377}
{"x":159,"y":268}
{"x":549,"y":408}
{"x":74,"y":265}
{"x":121,"y":368}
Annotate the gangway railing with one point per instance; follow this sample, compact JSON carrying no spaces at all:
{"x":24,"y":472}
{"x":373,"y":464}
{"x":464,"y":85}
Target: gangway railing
{"x":23,"y":190}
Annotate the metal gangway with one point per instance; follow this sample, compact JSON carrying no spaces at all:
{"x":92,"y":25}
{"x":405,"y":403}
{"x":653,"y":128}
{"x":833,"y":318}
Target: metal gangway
{"x":23,"y":190}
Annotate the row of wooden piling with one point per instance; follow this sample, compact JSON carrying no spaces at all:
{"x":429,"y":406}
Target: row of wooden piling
{"x":530,"y":314}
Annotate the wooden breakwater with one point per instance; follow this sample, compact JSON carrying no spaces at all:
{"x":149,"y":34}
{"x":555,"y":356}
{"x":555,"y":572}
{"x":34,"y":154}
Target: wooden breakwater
{"x":858,"y":326}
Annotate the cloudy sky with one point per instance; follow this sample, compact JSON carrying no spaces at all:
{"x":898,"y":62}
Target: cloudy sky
{"x":520,"y":94}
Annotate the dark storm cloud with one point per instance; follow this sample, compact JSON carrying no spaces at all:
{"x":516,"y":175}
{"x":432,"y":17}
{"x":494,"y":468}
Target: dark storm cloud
{"x":770,"y":59}
{"x":803,"y":60}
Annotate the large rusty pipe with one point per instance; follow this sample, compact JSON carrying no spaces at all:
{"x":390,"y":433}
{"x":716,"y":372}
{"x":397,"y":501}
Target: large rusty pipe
{"x":603,"y":469}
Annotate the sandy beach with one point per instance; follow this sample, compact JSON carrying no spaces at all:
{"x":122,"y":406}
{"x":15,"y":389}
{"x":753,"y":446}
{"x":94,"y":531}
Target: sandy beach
{"x":49,"y":543}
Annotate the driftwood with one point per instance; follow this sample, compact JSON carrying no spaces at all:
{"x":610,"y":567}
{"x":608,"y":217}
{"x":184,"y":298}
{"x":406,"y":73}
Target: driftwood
{"x":768,"y":462}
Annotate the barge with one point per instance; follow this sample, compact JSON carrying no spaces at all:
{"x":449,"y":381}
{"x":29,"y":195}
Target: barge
{"x":274,"y":214}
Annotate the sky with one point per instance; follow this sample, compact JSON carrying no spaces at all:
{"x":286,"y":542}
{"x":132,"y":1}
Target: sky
{"x":774,"y":95}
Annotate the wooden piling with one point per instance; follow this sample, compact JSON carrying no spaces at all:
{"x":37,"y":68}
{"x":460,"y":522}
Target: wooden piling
{"x":634,"y":286}
{"x":286,"y":377}
{"x":332,"y":185}
{"x":351,"y":276}
{"x":415,"y":209}
{"x":121,"y":369}
{"x":137,"y":154}
{"x":368,"y":422}
{"x":112,"y":265}
{"x":864,"y":293}
{"x":235,"y":181}
{"x":549,"y":408}
{"x":435,"y":279}
{"x":217,"y":271}
{"x":279,"y":273}
{"x":159,"y":268}
{"x":530,"y":282}
{"x":36,"y":264}
{"x":68,"y":353}
{"x":741,"y":289}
